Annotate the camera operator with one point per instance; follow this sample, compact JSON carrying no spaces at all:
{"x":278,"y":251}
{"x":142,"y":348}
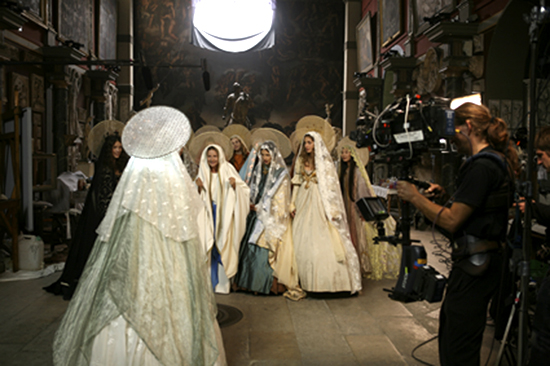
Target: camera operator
{"x":540,"y":351}
{"x":477,"y":220}
{"x":541,"y":212}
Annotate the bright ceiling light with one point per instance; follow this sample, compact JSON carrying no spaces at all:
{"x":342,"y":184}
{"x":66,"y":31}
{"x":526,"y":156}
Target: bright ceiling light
{"x":472,"y":98}
{"x":234,"y":25}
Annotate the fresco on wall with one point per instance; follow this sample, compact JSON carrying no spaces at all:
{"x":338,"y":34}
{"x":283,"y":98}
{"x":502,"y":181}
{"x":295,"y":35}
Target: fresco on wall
{"x":298,"y":76}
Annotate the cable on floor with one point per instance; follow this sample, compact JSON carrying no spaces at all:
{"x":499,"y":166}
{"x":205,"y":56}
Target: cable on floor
{"x":420,"y":345}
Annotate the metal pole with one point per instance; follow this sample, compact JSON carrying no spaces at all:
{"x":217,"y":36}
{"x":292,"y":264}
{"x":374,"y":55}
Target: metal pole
{"x":97,"y":63}
{"x":524,"y":266}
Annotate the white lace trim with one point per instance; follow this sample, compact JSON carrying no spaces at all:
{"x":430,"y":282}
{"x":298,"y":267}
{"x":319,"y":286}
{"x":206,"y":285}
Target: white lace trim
{"x":331,"y":195}
{"x":161,"y":192}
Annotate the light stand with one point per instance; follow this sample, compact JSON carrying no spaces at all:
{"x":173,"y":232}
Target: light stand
{"x":538,"y":13}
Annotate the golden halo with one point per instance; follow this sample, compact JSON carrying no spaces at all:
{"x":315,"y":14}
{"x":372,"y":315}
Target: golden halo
{"x":199,"y":142}
{"x":97,"y":134}
{"x":298,"y":135}
{"x":362,"y":153}
{"x":207,"y":128}
{"x":271,"y":134}
{"x":239,"y":130}
{"x":317,"y":124}
{"x":190,"y":138}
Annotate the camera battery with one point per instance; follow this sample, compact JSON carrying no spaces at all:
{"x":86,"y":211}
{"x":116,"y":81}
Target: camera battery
{"x":430,"y":284}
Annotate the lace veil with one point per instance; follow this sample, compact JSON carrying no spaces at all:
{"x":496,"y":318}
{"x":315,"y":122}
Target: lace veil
{"x":155,"y":177}
{"x":274,"y":225}
{"x":350,"y":145}
{"x":151,"y":218}
{"x":329,"y":187}
{"x":386,"y":259}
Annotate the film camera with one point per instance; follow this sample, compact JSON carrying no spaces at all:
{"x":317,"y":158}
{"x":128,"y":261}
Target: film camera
{"x":402,"y":132}
{"x":407,"y":127}
{"x":417,"y":281}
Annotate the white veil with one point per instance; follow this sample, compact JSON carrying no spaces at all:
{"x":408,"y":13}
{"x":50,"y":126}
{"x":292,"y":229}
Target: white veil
{"x":275,"y":226}
{"x":331,"y":196}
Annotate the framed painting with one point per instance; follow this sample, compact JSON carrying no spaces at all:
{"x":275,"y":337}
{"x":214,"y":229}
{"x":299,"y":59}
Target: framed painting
{"x":365,"y":59}
{"x":19,"y":93}
{"x":37,"y":132}
{"x":107,"y":29}
{"x":517,"y":113}
{"x":506,"y":110}
{"x":427,"y":9}
{"x":75,"y":22}
{"x":391,"y":20}
{"x":38,"y":104}
{"x":494,"y":107}
{"x":35,"y":7}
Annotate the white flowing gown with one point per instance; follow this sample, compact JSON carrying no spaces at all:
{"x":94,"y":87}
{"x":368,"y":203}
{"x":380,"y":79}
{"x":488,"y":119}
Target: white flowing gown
{"x":144,"y":297}
{"x":325,"y":256}
{"x":232,"y":207}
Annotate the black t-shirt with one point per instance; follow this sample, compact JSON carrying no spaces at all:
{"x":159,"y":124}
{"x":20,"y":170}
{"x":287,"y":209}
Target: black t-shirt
{"x":541,"y":213}
{"x":477,"y":180}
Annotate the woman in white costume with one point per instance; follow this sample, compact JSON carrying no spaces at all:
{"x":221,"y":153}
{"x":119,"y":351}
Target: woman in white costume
{"x":240,"y":141}
{"x":326,"y":258}
{"x":267,"y":263}
{"x":381,"y":260}
{"x":222,"y":219}
{"x":144,"y":297}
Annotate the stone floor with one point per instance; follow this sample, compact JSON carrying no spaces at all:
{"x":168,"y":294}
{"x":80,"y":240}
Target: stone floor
{"x":368,"y":329}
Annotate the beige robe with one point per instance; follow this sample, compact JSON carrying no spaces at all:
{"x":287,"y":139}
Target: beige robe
{"x":320,"y":253}
{"x":281,"y":249}
{"x":231,"y":212}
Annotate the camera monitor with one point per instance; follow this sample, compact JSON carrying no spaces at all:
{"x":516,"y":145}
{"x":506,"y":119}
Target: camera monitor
{"x":372,"y":208}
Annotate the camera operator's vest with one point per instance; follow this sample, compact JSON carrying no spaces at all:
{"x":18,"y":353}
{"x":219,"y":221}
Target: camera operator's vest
{"x":471,"y":253}
{"x":499,"y":199}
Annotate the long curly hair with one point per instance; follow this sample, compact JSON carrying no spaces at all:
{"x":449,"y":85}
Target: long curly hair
{"x":493,"y":129}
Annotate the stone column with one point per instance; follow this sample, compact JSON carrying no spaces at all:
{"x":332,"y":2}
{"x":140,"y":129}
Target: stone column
{"x":453,"y":78}
{"x":402,"y":69}
{"x":99,"y":91}
{"x":59,"y":76}
{"x":374,"y":88}
{"x":4,"y":56}
{"x":9,"y":19}
{"x":125,"y":51}
{"x":60,"y":120}
{"x":455,"y":63}
{"x":350,"y":95}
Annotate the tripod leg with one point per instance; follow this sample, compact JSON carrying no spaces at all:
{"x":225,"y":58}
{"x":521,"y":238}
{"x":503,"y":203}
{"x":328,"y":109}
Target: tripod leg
{"x":505,"y":337}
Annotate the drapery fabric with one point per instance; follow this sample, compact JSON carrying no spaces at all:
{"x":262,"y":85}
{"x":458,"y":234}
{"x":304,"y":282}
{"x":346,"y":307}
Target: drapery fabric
{"x":381,"y":260}
{"x":229,"y":217}
{"x":269,"y":226}
{"x":320,"y":191}
{"x":146,"y":277}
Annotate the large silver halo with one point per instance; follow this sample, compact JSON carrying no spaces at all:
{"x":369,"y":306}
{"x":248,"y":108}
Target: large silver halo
{"x":155,"y":132}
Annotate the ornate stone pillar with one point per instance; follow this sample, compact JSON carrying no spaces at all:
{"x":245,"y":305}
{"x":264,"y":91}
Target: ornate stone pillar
{"x":8,"y":20}
{"x":100,"y":80}
{"x":455,"y":63}
{"x":374,"y":88}
{"x":350,"y":95}
{"x":402,"y":68}
{"x":60,"y":119}
{"x":125,"y":51}
{"x":59,"y":76}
